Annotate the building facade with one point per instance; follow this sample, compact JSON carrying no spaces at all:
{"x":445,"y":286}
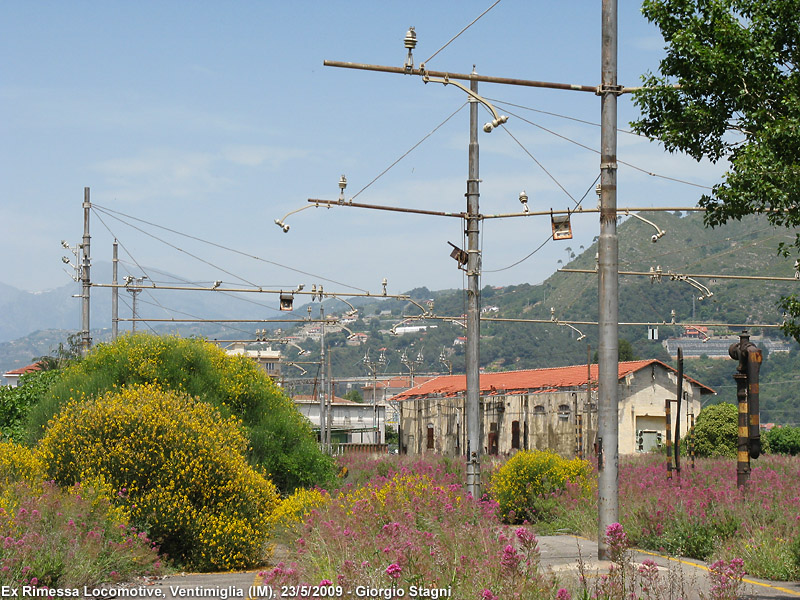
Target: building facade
{"x":350,"y":422}
{"x":545,"y":409}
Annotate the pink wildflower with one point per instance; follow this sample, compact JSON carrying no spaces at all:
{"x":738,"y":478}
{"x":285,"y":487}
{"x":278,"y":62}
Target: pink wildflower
{"x":394,"y":570}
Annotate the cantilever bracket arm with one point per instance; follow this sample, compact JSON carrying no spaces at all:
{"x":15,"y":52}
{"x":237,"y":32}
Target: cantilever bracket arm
{"x":661,"y":233}
{"x":498,"y":119}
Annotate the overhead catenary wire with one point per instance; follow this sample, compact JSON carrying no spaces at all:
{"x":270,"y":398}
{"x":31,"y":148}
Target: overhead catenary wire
{"x":622,"y":162}
{"x":110,"y":212}
{"x":452,"y":39}
{"x":547,"y":239}
{"x":135,"y":262}
{"x":541,"y":166}
{"x":560,"y":116}
{"x":225,"y":293}
{"x":179,"y":249}
{"x":409,"y":151}
{"x":156,"y":302}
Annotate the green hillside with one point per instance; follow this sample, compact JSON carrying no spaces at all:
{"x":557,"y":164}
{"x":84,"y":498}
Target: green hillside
{"x":742,"y":248}
{"x":747,"y":247}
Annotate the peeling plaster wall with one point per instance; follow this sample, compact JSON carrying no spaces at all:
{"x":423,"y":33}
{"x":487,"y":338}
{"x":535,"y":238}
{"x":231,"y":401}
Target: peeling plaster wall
{"x":546,"y":420}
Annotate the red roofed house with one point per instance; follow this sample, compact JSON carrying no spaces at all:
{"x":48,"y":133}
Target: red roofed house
{"x":12,"y":377}
{"x":544,"y":409}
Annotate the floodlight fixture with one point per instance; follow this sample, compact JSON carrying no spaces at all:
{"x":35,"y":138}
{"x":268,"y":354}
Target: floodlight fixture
{"x":562,"y":228}
{"x":286,"y":301}
{"x":459,"y":255}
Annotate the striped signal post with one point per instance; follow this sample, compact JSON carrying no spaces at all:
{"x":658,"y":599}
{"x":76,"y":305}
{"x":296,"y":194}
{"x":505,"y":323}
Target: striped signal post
{"x":743,"y":445}
{"x":668,"y":415}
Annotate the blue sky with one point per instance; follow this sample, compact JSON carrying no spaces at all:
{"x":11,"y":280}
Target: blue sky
{"x":216,"y":118}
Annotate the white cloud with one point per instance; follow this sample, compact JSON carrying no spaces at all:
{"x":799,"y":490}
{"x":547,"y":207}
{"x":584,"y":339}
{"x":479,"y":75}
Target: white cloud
{"x":256,"y":155}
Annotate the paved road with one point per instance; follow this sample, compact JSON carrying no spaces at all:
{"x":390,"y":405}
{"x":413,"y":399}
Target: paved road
{"x":564,"y":555}
{"x":688,"y":578}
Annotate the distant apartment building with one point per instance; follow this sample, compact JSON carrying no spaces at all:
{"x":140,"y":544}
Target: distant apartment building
{"x":265,"y":357}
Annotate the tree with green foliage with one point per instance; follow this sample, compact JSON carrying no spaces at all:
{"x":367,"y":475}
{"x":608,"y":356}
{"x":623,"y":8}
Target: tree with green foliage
{"x":354,"y":396}
{"x":729,"y":88}
{"x":17,"y":402}
{"x":784,"y":440}
{"x":716,"y":432}
{"x":281,"y":440}
{"x":625,"y":352}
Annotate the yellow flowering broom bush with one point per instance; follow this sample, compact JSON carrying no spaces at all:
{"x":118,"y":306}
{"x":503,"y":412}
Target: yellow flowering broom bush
{"x":19,"y":463}
{"x":281,"y":440}
{"x":292,"y":509}
{"x":175,"y":464}
{"x":529,"y":485}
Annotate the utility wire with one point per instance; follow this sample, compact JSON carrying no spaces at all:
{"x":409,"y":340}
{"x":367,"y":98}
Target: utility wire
{"x":622,"y":162}
{"x":135,"y":262}
{"x":502,"y":103}
{"x":186,"y":314}
{"x":452,"y":39}
{"x":541,"y":166}
{"x":202,"y":260}
{"x":410,"y":150}
{"x":683,"y":249}
{"x":155,"y":302}
{"x":230,"y":294}
{"x":111,"y":213}
{"x":547,"y":239}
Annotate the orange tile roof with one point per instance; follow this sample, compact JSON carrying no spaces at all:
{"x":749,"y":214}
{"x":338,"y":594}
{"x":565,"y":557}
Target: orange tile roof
{"x":527,"y":381}
{"x":26,"y":369}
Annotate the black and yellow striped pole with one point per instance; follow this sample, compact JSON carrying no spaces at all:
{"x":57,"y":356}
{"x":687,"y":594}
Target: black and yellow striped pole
{"x":668,"y":414}
{"x":749,"y":444}
{"x":743,"y":445}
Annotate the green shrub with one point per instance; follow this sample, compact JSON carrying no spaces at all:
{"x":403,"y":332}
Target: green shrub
{"x":175,"y":464}
{"x":783,"y":440}
{"x":716,"y":431}
{"x":794,"y":551}
{"x":17,"y":402}
{"x":281,"y":440}
{"x":527,"y":486}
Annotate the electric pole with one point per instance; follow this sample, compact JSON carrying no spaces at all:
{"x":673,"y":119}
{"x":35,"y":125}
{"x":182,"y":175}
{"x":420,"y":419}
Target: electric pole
{"x":608,"y":396}
{"x":323,"y":407}
{"x":608,"y":284}
{"x":473,"y":392}
{"x":86,"y":340}
{"x":114,"y":292}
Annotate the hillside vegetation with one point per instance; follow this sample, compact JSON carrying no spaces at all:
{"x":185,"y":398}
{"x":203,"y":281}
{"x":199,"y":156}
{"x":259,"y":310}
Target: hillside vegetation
{"x":747,"y":247}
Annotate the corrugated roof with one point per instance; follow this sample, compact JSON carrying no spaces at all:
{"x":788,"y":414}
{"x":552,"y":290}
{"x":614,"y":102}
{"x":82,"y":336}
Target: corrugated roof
{"x":527,"y":381}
